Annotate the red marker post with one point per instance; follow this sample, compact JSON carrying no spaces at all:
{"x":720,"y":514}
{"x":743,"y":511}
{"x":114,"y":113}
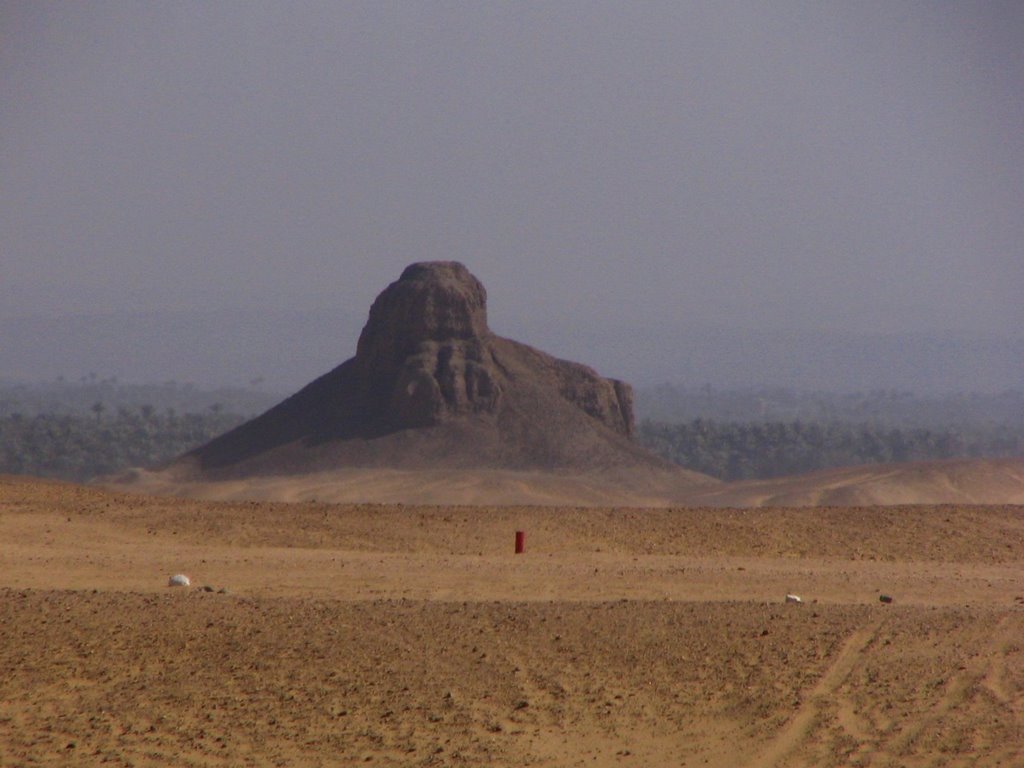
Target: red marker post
{"x":520,"y":542}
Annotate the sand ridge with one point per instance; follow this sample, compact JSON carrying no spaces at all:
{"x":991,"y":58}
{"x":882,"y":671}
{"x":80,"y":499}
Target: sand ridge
{"x":958,"y":481}
{"x":954,"y":481}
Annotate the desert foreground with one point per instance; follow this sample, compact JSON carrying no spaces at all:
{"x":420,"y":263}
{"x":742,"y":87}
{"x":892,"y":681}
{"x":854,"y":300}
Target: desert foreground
{"x":343,"y":634}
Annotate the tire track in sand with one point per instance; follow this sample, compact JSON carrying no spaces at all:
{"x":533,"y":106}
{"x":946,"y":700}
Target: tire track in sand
{"x":994,"y":680}
{"x":962,"y":691}
{"x":799,"y":727}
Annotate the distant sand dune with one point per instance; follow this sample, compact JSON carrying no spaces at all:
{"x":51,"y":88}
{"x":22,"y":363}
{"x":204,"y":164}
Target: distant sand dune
{"x":959,"y":481}
{"x":637,"y":488}
{"x":974,"y":481}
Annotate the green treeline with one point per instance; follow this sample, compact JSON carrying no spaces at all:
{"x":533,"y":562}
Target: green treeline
{"x":678,"y":404}
{"x":742,"y":451}
{"x":77,"y":431}
{"x":79,"y":447}
{"x":80,"y":397}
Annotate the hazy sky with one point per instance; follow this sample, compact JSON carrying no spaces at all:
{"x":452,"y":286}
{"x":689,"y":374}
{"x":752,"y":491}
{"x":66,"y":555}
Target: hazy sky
{"x":809,"y":165}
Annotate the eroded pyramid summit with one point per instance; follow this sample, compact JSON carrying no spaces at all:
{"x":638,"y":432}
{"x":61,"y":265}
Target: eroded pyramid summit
{"x":422,"y":355}
{"x":432,"y":386}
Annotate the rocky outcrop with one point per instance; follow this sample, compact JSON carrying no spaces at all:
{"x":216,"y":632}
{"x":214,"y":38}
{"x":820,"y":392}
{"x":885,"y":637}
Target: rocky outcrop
{"x":423,"y":355}
{"x":426,"y":355}
{"x":431,"y":385}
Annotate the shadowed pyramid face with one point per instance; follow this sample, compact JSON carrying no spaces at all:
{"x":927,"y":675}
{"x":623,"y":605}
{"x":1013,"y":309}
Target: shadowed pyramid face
{"x":423,"y":351}
{"x":436,"y":301}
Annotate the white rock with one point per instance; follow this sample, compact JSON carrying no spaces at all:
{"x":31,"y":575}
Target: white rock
{"x":179,"y":580}
{"x":793,"y":599}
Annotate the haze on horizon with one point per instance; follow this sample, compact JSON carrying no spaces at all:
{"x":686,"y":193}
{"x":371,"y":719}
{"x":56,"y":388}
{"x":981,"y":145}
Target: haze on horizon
{"x":645,"y":171}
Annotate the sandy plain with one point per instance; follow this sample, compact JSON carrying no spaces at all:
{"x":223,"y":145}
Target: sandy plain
{"x":413,"y":636}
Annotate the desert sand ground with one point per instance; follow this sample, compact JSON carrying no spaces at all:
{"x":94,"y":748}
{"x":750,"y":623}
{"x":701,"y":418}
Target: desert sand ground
{"x":400,"y":635}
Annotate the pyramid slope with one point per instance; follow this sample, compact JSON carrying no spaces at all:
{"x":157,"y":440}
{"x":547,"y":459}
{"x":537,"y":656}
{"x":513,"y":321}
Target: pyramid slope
{"x":329,"y":424}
